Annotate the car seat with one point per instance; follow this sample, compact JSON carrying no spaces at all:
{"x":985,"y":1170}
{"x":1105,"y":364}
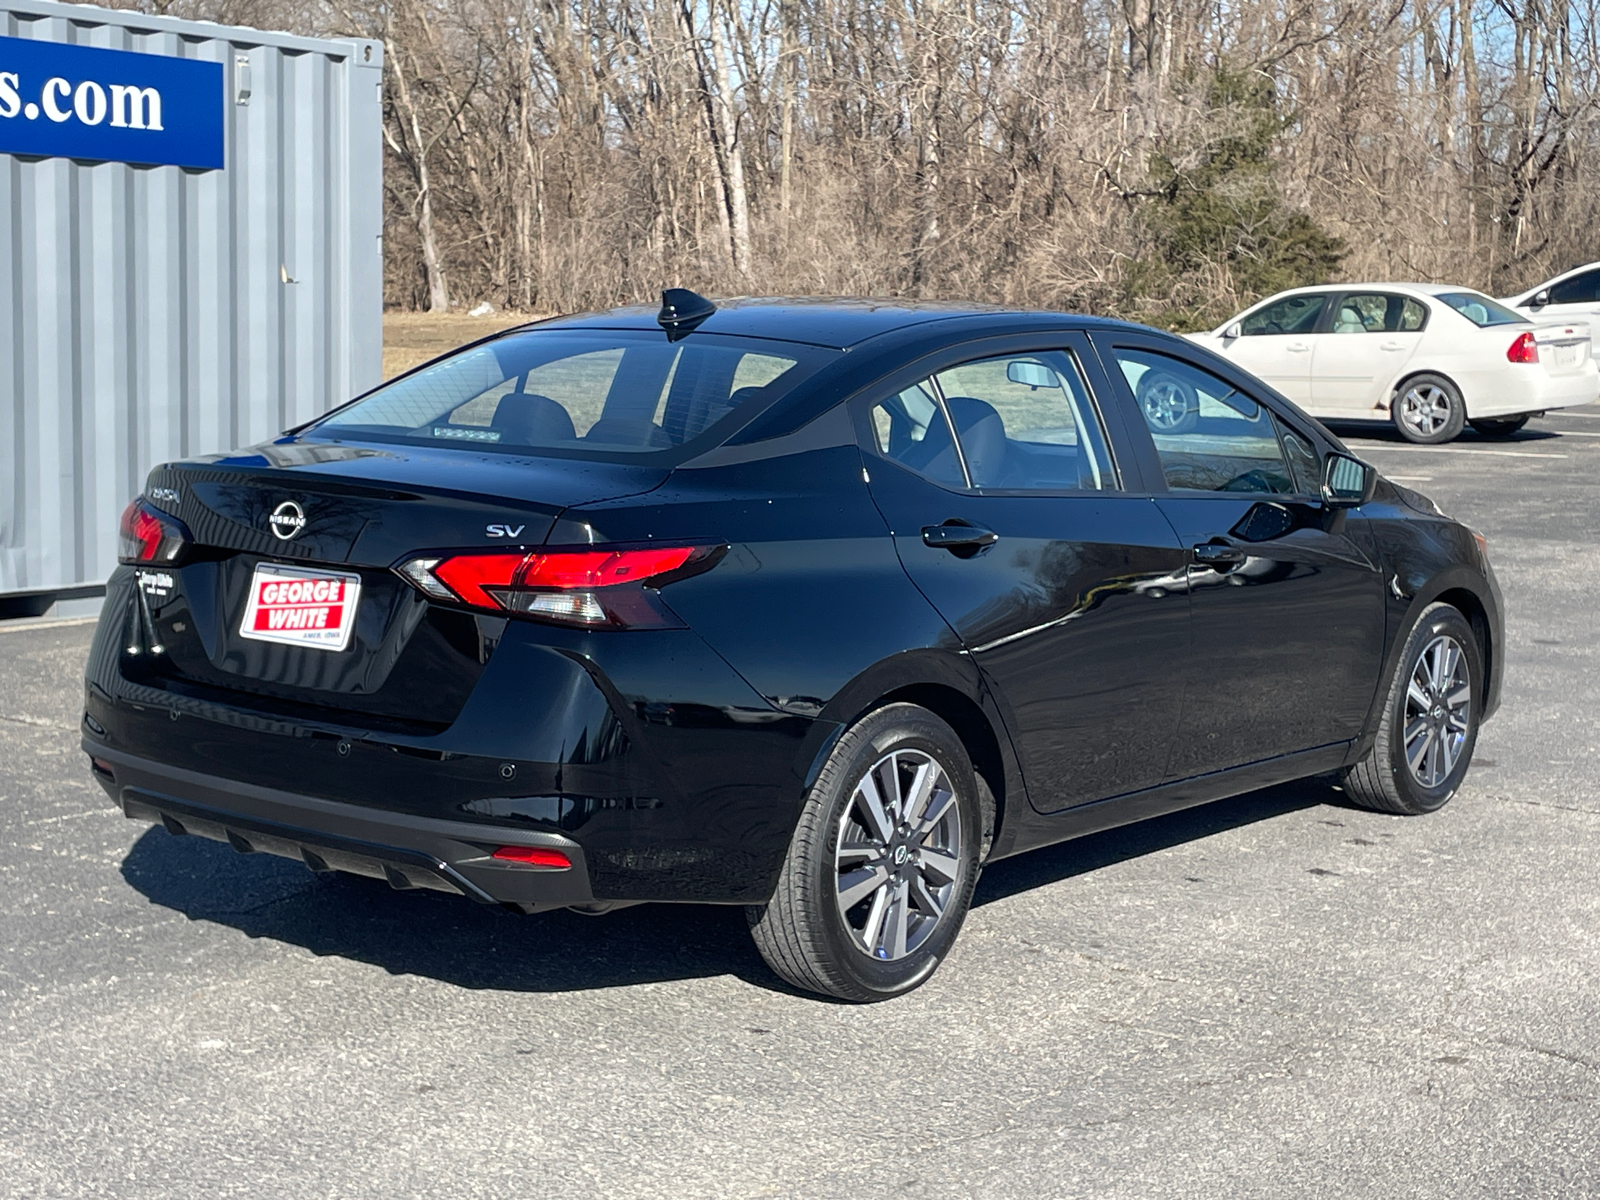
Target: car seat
{"x":1349,"y":321}
{"x":983,"y":439}
{"x":527,"y":419}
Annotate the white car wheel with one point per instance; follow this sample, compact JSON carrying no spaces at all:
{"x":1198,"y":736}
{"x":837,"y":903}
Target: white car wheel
{"x":1428,"y":410}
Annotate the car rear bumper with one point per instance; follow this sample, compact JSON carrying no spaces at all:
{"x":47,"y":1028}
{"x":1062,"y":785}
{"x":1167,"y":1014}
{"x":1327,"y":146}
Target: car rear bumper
{"x":407,"y":851}
{"x":1536,"y":391}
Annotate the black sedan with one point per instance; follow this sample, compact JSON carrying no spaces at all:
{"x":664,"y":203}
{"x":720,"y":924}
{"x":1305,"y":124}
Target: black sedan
{"x":811,"y":607}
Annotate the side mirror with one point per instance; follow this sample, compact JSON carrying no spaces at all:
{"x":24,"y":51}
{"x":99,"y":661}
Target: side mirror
{"x":1347,"y":482}
{"x":1540,"y":298}
{"x":1031,"y":374}
{"x":1233,"y":331}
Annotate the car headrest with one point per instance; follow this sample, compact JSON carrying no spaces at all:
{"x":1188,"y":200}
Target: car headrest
{"x":983,"y":438}
{"x":529,"y":419}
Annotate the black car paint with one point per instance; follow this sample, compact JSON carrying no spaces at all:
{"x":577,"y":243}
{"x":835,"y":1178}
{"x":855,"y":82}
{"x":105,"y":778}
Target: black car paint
{"x":675,"y":762}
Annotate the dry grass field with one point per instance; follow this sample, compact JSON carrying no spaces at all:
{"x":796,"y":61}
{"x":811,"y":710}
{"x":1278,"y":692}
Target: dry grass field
{"x":410,"y":338}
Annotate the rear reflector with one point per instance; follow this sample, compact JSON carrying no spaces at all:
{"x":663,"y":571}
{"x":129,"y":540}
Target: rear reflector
{"x":1523,"y":350}
{"x":535,"y":856}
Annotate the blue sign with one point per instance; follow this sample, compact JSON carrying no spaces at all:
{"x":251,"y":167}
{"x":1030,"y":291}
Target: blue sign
{"x":59,"y":101}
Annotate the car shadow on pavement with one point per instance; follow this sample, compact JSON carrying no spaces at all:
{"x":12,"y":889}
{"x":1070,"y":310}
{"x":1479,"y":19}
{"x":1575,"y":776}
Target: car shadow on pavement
{"x":455,"y":941}
{"x":1384,"y":431}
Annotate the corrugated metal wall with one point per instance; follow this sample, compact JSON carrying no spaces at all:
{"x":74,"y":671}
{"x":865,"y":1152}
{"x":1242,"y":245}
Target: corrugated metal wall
{"x":148,"y":313}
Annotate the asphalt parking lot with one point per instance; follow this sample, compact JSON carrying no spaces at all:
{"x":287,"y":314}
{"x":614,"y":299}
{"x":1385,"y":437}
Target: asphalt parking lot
{"x":1274,"y":995}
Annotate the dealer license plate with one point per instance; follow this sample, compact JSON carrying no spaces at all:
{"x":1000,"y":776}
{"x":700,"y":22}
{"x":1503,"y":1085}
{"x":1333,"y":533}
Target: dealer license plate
{"x":1566,"y":356}
{"x":301,"y":607}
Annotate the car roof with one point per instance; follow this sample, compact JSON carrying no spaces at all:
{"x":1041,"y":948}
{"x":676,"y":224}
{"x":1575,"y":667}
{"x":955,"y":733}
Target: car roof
{"x":1421,"y":289}
{"x":834,"y":322}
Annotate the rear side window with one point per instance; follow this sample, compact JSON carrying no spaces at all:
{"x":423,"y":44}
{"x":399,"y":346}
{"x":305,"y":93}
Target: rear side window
{"x":1022,"y":423}
{"x":1480,"y":310}
{"x":1027,"y":423}
{"x":617,"y":393}
{"x":910,"y":427}
{"x":1376,"y":312}
{"x":1210,"y":436}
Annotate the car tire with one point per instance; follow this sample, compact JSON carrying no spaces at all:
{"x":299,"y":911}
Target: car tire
{"x":869,"y":903}
{"x":1428,"y":410}
{"x":1434,"y":698}
{"x":1499,"y":427}
{"x":1168,"y":401}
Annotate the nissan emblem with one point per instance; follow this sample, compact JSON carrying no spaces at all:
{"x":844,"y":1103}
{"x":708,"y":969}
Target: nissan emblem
{"x":287,"y":520}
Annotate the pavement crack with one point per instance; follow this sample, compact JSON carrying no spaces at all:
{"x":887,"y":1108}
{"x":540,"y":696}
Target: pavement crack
{"x":1588,"y":812}
{"x":1576,"y":1060}
{"x":38,"y":723}
{"x":1549,"y":1052}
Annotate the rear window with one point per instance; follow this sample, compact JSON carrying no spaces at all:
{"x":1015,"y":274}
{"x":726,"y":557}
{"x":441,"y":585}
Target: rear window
{"x":612,"y":392}
{"x":1479,"y":309}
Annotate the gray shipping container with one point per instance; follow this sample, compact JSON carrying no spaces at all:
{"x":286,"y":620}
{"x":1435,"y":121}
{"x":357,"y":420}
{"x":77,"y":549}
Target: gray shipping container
{"x":147,"y":313}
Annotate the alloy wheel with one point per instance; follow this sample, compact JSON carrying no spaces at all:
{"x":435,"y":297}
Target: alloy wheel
{"x":898,"y":855}
{"x":1166,"y":404}
{"x":1438,"y":711}
{"x":1426,"y":408}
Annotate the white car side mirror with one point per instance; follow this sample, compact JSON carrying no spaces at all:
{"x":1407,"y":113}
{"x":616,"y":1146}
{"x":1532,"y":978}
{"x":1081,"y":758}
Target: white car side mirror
{"x":1233,"y":331}
{"x":1540,"y":298}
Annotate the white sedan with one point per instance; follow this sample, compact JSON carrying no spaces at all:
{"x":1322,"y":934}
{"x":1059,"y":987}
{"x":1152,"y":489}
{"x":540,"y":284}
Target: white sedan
{"x":1428,"y":356}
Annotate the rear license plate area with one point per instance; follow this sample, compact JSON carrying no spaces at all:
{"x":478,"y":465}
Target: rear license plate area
{"x":298,"y":607}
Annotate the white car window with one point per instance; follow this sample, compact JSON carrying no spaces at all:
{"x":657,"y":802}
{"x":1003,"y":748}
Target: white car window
{"x":1292,"y":314}
{"x":1480,"y":310}
{"x":1378,"y":312}
{"x":1580,"y":289}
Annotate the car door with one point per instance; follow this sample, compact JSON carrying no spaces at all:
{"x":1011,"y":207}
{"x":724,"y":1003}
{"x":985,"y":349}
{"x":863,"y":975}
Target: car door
{"x":1287,"y":608}
{"x":1275,"y":343}
{"x":1354,"y":363}
{"x":1054,"y":570}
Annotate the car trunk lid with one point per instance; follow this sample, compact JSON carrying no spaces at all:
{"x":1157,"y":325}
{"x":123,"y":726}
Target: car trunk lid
{"x":354,"y":511}
{"x":1564,"y":347}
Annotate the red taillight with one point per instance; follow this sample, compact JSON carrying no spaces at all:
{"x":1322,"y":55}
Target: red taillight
{"x":1523,"y":350}
{"x":468,"y":575}
{"x":572,"y":587}
{"x":535,"y":856}
{"x":147,"y":536}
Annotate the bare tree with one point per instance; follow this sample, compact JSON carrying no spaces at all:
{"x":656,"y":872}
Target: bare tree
{"x":1095,"y":154}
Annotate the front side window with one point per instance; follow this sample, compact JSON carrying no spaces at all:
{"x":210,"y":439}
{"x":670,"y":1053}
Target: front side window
{"x":1580,"y":289}
{"x":616,"y":393}
{"x":1210,"y":436}
{"x":1379,"y":313}
{"x":1303,"y":460}
{"x":1480,"y":310}
{"x":1292,"y":314}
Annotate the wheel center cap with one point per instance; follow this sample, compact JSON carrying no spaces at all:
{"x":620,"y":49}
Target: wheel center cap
{"x":1438,"y":712}
{"x":900,"y":855}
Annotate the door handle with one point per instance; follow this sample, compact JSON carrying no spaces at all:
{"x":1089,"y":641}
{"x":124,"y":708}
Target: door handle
{"x":1392,"y":346}
{"x":1297,"y":347}
{"x":961,"y":540}
{"x":1218,"y":554}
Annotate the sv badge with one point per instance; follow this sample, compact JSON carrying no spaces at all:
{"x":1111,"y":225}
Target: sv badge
{"x":506,"y":531}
